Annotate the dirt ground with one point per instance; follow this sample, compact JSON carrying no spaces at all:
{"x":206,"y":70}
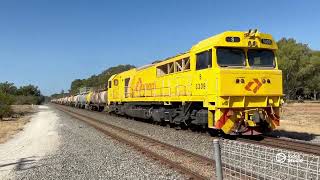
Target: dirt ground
{"x":38,"y":140}
{"x":11,"y":126}
{"x":301,"y":117}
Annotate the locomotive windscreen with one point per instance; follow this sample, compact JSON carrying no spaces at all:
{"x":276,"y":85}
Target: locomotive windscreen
{"x":231,"y":57}
{"x":261,"y":58}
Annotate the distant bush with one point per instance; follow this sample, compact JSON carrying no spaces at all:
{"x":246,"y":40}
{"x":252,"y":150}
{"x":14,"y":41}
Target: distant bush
{"x":5,"y":101}
{"x":23,"y":95}
{"x":5,"y":111}
{"x":24,"y":100}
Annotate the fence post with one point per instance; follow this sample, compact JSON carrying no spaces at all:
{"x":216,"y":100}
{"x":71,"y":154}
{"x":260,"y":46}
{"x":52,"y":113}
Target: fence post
{"x":217,"y":158}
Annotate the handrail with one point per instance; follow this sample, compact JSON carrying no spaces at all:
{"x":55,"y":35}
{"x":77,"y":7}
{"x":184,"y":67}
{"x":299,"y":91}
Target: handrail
{"x":163,"y":91}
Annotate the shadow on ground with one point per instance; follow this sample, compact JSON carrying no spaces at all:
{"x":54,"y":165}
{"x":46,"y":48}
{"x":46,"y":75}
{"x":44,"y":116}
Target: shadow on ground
{"x":293,"y":135}
{"x":277,"y":133}
{"x":21,"y":164}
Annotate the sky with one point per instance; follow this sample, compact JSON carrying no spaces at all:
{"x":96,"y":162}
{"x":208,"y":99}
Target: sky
{"x":49,"y":43}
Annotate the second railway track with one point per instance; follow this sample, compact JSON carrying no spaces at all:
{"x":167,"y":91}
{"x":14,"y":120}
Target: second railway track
{"x":291,"y":145}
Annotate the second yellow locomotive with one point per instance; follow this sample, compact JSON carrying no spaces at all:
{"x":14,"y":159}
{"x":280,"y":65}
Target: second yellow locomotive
{"x":228,"y":83}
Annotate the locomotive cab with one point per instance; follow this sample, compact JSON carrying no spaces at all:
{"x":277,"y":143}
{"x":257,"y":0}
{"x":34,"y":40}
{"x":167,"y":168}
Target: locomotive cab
{"x":244,"y":83}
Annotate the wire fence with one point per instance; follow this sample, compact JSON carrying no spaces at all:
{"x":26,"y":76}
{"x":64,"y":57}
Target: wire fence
{"x":249,"y":161}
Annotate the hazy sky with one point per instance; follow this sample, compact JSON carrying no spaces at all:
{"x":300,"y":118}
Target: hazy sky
{"x":49,"y":43}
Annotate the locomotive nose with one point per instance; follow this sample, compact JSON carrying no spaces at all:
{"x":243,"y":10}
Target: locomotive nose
{"x":242,"y":82}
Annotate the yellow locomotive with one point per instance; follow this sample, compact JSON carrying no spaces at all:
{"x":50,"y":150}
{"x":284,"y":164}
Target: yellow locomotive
{"x":227,"y":83}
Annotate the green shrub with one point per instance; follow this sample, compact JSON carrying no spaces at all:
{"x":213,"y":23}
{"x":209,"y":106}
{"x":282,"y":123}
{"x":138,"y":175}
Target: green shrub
{"x":26,"y":100}
{"x":5,"y":101}
{"x":5,"y":111}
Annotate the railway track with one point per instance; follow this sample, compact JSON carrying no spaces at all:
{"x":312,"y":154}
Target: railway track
{"x":192,"y":165}
{"x":291,"y":145}
{"x":287,"y":144}
{"x":297,"y":146}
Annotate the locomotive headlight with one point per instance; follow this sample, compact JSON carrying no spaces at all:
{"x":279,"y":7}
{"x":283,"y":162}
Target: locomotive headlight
{"x":254,"y":44}
{"x":268,"y":81}
{"x":266,"y":41}
{"x":242,"y":81}
{"x":263,"y":81}
{"x":237,"y":81}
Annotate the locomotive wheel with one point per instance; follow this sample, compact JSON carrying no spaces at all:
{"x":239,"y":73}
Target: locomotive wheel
{"x":172,"y":125}
{"x":215,"y":132}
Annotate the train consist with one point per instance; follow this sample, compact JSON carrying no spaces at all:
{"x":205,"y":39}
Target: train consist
{"x":93,"y":100}
{"x":229,"y":83}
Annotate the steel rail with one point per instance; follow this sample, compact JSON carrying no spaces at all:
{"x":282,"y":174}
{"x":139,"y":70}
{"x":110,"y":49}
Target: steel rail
{"x":179,"y":166}
{"x":291,"y":145}
{"x":202,"y":163}
{"x":206,"y":163}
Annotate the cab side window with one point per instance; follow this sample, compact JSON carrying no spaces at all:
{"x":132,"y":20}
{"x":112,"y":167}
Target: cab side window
{"x":204,"y":60}
{"x":115,"y":82}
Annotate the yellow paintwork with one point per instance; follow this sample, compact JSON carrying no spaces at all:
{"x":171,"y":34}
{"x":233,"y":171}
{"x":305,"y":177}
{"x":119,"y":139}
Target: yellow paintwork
{"x":88,"y":97}
{"x":215,"y":87}
{"x":251,"y":123}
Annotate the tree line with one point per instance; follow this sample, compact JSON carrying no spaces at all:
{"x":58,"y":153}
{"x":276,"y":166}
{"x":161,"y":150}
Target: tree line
{"x":10,"y":94}
{"x":300,"y":68}
{"x":98,"y":81}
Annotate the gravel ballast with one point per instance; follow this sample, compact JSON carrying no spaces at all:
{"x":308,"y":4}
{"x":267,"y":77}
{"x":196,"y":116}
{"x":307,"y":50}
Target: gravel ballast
{"x":200,"y":143}
{"x":85,"y":153}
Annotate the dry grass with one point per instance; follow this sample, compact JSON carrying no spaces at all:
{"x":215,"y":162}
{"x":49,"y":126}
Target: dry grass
{"x":301,"y":117}
{"x":23,"y":109}
{"x":10,"y":126}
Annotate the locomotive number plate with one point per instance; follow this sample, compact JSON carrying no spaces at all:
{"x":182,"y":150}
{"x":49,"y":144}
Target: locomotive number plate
{"x":201,"y":86}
